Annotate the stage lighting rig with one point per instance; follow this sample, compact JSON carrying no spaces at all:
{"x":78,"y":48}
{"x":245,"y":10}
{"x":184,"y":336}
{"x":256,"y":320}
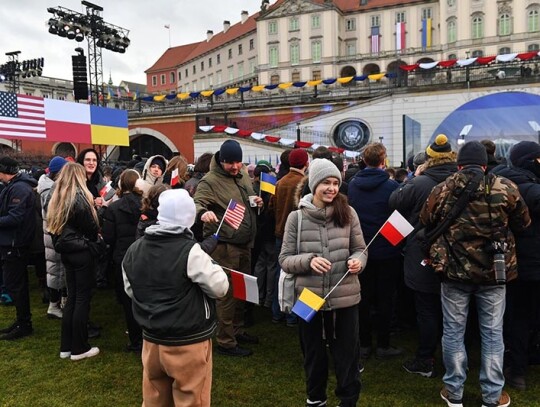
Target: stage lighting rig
{"x":13,"y":69}
{"x":77,"y":26}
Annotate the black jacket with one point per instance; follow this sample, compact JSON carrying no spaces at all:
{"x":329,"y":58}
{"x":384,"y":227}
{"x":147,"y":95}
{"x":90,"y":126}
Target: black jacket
{"x":17,"y":212}
{"x":120,"y":224}
{"x":408,"y":199}
{"x":527,"y":241}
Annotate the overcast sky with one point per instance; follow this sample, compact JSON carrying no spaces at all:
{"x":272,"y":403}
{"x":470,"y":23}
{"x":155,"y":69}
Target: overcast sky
{"x":24,"y":28}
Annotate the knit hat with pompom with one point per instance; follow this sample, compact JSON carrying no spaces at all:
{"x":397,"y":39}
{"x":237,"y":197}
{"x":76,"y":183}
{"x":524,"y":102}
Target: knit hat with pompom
{"x":440,"y":147}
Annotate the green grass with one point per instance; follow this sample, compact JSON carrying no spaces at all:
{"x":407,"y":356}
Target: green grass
{"x":32,"y":374}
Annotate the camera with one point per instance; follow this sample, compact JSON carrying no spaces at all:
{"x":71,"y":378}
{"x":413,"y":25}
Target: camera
{"x":499,"y":262}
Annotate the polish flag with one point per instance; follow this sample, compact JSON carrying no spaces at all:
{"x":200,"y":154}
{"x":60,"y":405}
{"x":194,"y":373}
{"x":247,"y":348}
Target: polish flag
{"x":400,"y":36}
{"x":105,"y":190}
{"x":174,"y":177}
{"x":245,"y":287}
{"x":396,"y":228}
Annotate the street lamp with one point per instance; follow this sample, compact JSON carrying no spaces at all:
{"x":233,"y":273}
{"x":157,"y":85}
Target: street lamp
{"x":381,"y":138}
{"x":463,"y":133}
{"x":536,"y":127}
{"x":298,"y":131}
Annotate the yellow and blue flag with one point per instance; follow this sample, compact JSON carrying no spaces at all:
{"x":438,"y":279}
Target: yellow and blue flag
{"x":268,"y":183}
{"x":307,"y":305}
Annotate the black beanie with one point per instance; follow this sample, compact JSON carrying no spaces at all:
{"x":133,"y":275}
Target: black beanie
{"x":159,"y":161}
{"x":9,"y":166}
{"x":524,"y":151}
{"x":472,"y":153}
{"x":230,"y":152}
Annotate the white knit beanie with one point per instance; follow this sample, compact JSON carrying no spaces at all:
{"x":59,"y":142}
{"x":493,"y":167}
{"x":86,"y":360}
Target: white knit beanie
{"x":177,"y":208}
{"x":319,"y":170}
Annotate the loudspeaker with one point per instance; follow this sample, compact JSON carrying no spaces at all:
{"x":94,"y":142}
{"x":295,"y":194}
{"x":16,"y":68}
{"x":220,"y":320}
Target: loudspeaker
{"x":80,"y":79}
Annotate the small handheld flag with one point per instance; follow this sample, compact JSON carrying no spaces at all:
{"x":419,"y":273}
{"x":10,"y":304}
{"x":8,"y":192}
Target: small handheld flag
{"x":396,"y":228}
{"x":234,"y":215}
{"x":245,"y":287}
{"x":307,"y":305}
{"x":105,"y":190}
{"x":268,"y":183}
{"x":174,"y":177}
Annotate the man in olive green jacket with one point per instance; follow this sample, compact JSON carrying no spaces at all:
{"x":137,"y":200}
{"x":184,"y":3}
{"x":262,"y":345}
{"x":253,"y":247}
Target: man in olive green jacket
{"x":228,"y":180}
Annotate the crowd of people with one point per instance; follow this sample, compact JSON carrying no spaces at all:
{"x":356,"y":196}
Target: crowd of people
{"x":155,"y":230}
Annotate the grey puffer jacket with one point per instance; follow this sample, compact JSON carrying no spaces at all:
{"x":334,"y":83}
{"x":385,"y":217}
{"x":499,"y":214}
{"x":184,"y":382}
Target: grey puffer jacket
{"x":319,"y":236}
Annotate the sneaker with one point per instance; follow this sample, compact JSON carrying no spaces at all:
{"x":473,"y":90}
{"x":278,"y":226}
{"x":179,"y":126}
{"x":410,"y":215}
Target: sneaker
{"x":276,"y":320}
{"x":291,"y":324}
{"x":423,"y":367}
{"x":390,"y":352}
{"x":247,"y":338}
{"x":91,"y":353}
{"x":54,"y":311}
{"x":20,"y":331}
{"x":504,"y":401}
{"x":236,"y":351}
{"x":9,"y":328}
{"x":317,"y":403}
{"x":65,"y":355}
{"x":449,"y":401}
{"x":365,"y":351}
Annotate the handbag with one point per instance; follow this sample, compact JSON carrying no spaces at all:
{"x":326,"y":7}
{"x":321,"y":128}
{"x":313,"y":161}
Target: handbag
{"x":287,"y":281}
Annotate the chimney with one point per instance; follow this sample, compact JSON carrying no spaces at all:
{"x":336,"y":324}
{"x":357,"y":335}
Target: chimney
{"x":226,"y":26}
{"x":209,"y":35}
{"x":244,"y":15}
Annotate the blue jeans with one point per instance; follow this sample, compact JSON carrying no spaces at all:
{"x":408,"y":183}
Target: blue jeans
{"x":490,"y":304}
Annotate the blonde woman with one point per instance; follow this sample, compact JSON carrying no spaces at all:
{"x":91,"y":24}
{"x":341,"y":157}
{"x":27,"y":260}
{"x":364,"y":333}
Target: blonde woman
{"x":73,"y":223}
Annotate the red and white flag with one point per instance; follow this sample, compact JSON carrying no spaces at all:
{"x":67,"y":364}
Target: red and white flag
{"x":245,"y":287}
{"x":105,"y":190}
{"x":400,"y":36}
{"x":234,"y":215}
{"x":396,"y":228}
{"x":174,"y":177}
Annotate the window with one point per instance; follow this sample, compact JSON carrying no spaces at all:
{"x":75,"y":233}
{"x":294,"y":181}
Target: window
{"x":452,"y":56}
{"x":294,"y":53}
{"x":202,"y":66}
{"x":202,"y":84}
{"x":251,"y":44}
{"x":452,"y":30}
{"x":230,"y":53}
{"x":239,"y":49}
{"x":400,"y":17}
{"x":186,"y":73}
{"x":218,"y":59}
{"x":376,"y":20}
{"x":316,"y":75}
{"x":252,"y":65}
{"x":218,"y":77}
{"x":173,"y":78}
{"x":451,"y":3}
{"x":274,"y":79}
{"x":163,"y":82}
{"x":194,"y":86}
{"x":295,"y":77}
{"x":154,"y":80}
{"x":210,"y":81}
{"x":477,"y":53}
{"x":504,"y":50}
{"x":230,"y":70}
{"x":504,"y":24}
{"x":316,"y":50}
{"x":272,"y":27}
{"x":209,"y":62}
{"x":240,"y":69}
{"x":179,"y":76}
{"x":350,"y":24}
{"x":533,"y":47}
{"x":273,"y":56}
{"x":532,"y":20}
{"x":426,"y":13}
{"x":477,"y":27}
{"x":351,"y":48}
{"x":294,"y":24}
{"x":316,"y":21}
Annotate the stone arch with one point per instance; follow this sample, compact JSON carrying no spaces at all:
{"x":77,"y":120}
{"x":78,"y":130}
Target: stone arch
{"x":113,"y":152}
{"x":371,"y":69}
{"x":427,"y":73}
{"x":400,"y":76}
{"x":348,"y":71}
{"x":5,"y":144}
{"x":64,"y":149}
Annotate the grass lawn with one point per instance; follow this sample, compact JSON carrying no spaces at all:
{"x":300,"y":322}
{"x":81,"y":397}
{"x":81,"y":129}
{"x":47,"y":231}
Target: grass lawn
{"x":32,"y":374}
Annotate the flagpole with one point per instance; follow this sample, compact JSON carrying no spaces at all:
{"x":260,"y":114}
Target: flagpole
{"x":223,"y":218}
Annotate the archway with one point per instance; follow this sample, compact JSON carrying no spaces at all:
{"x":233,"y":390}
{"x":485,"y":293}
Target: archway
{"x":347,"y":71}
{"x":5,"y":145}
{"x":400,"y":76}
{"x":64,"y":150}
{"x":427,"y":73}
{"x":371,"y":69}
{"x":144,"y":142}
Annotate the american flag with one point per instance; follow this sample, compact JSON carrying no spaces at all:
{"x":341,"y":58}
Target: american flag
{"x":21,"y":116}
{"x":375,"y":40}
{"x":234,"y":215}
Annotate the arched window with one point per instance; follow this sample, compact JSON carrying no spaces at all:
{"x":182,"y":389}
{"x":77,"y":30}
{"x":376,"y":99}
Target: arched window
{"x":533,"y":47}
{"x":504,"y":24}
{"x":477,"y":29}
{"x":452,"y":30}
{"x":477,"y":53}
{"x":504,"y":50}
{"x":452,"y":56}
{"x":533,"y":20}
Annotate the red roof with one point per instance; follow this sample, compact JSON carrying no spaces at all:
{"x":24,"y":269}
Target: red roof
{"x":172,"y":57}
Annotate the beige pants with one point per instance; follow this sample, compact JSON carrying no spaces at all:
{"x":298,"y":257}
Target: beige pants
{"x":179,"y":376}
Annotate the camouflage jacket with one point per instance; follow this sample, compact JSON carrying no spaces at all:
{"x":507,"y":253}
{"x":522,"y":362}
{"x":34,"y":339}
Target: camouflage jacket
{"x":464,"y":252}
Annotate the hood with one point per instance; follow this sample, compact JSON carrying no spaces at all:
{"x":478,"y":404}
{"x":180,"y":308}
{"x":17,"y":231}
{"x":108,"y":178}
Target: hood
{"x":130,"y":204}
{"x":369,"y":179}
{"x":168,"y":230}
{"x":440,"y":172}
{"x":23,"y":177}
{"x":516,"y":175}
{"x":146,"y":171}
{"x":44,"y":184}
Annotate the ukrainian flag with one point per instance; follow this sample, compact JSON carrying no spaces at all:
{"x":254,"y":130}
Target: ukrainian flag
{"x":307,"y":305}
{"x":268,"y":183}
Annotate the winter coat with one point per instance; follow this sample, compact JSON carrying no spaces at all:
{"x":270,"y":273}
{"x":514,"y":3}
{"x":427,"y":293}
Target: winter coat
{"x":408,"y":199}
{"x":147,"y":218}
{"x":193,"y":182}
{"x":319,"y":236}
{"x":120,"y":224}
{"x":55,"y":269}
{"x":494,"y":212}
{"x":527,"y":241}
{"x":17,"y":212}
{"x":215,"y":191}
{"x":369,"y":192}
{"x":148,"y":178}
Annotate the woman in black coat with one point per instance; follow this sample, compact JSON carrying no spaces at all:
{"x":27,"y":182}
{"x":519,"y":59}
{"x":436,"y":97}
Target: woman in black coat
{"x":119,"y":227}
